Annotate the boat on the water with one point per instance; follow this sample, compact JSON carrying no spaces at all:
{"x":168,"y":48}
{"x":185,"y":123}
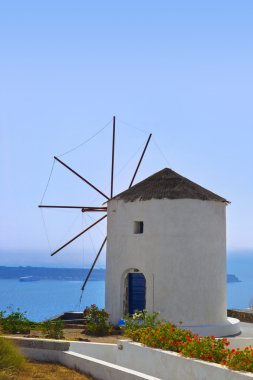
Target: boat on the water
{"x":28,"y":279}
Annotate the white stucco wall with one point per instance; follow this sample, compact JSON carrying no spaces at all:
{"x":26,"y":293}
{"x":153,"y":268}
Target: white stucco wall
{"x":167,"y":365}
{"x":125,"y":361}
{"x":182,"y":254}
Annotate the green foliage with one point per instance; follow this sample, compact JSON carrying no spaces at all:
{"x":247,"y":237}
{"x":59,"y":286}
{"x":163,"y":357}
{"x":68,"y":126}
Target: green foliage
{"x":96,"y":321}
{"x":14,"y":322}
{"x":138,"y":321}
{"x":165,"y":336}
{"x":240,"y":360}
{"x":208,"y":349}
{"x":168,"y":337}
{"x":53,"y":329}
{"x":10,"y":357}
{"x":146,"y":329}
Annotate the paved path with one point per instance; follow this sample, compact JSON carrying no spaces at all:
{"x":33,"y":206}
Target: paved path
{"x":244,"y":339}
{"x":246,"y":330}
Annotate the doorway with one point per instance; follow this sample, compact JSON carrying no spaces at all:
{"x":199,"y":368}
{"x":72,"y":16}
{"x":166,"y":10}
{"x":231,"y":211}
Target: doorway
{"x":136,"y":292}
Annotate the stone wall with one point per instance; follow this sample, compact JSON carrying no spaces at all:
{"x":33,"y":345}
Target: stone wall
{"x":242,"y":315}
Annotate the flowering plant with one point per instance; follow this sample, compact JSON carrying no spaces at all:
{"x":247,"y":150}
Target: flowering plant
{"x":96,"y":321}
{"x":207,"y":348}
{"x":138,"y":321}
{"x":165,"y":336}
{"x":94,"y":313}
{"x":168,"y":337}
{"x":240,"y":360}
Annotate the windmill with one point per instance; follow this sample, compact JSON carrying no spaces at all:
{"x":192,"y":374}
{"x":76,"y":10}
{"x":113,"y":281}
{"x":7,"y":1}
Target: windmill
{"x":100,"y":209}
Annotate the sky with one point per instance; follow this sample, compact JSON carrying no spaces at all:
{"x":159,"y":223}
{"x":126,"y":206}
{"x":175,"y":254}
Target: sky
{"x":179,"y":69}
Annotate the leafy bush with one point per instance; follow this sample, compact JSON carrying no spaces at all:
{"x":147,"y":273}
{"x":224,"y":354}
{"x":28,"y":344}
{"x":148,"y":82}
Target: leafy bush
{"x":135,"y":324}
{"x":15,"y":322}
{"x":240,"y":360}
{"x":53,"y":329}
{"x":10,"y":357}
{"x":207,"y":348}
{"x":96,"y":321}
{"x":165,"y":336}
{"x":168,"y":337}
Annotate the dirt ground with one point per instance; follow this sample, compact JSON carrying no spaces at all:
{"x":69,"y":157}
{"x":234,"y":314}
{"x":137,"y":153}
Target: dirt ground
{"x":43,"y":371}
{"x":75,"y":334}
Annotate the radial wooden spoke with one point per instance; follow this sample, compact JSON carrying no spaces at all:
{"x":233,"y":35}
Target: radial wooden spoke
{"x":77,"y":236}
{"x":83,"y":208}
{"x":113,"y":145}
{"x":94,"y":263}
{"x":94,"y":209}
{"x":144,"y":150}
{"x":78,"y":175}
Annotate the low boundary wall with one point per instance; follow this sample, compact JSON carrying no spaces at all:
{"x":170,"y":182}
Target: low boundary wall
{"x":242,"y":315}
{"x":59,"y":352}
{"x":125,"y":361}
{"x":172,"y":366}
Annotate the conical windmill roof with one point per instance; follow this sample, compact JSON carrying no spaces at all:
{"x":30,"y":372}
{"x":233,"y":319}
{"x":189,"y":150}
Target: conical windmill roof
{"x":167,"y":184}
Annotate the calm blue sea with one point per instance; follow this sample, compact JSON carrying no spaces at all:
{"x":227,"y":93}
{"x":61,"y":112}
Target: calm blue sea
{"x":240,"y":294}
{"x":43,"y":299}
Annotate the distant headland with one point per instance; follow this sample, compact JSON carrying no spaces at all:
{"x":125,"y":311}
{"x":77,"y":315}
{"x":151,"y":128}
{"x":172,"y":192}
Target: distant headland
{"x":42,"y":273}
{"x":63,"y":274}
{"x":232,"y":278}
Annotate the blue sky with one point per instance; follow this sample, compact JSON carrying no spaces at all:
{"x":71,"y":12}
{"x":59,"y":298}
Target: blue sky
{"x":179,"y":69}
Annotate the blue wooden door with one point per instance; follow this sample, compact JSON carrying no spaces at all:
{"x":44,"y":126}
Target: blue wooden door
{"x":136,"y":292}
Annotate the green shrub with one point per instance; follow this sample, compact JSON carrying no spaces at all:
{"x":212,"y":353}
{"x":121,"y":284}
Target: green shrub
{"x":53,"y":329}
{"x":10,"y":357}
{"x":140,"y":320}
{"x":165,"y":336}
{"x":168,"y":337}
{"x":240,"y":360}
{"x":207,"y":348}
{"x":15,"y":322}
{"x":96,"y":321}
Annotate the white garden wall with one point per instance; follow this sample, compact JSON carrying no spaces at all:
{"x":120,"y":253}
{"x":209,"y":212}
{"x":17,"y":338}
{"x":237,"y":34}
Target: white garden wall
{"x":128,"y":361}
{"x":172,"y":366}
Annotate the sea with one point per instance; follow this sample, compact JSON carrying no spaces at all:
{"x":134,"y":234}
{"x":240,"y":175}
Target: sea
{"x":48,"y":297}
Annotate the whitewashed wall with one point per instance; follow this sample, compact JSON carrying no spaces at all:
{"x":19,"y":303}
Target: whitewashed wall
{"x":167,"y":365}
{"x":127,"y":361}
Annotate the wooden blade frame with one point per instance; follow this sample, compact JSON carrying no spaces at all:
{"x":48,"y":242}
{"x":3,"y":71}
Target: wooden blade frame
{"x":77,"y":236}
{"x":82,"y":208}
{"x":90,"y":208}
{"x":144,"y":150}
{"x":113,"y":146}
{"x":94,"y":263}
{"x":78,"y":175}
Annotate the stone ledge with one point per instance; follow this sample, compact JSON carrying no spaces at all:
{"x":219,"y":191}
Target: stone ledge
{"x":242,"y":315}
{"x":43,"y":344}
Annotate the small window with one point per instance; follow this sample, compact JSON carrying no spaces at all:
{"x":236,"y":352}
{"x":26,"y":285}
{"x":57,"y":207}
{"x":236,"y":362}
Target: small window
{"x":138,"y":227}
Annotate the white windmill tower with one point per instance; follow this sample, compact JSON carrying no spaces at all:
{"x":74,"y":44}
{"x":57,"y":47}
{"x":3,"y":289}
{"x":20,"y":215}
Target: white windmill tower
{"x":166,"y":252}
